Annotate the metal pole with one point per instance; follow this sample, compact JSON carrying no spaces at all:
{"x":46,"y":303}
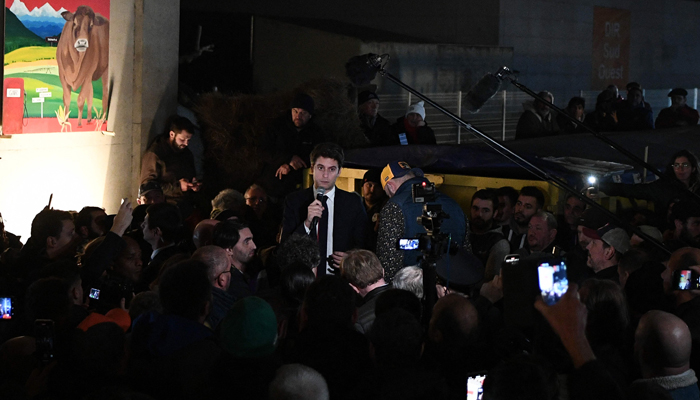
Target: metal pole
{"x":503,"y":118}
{"x":646,"y":158}
{"x":459,"y":114}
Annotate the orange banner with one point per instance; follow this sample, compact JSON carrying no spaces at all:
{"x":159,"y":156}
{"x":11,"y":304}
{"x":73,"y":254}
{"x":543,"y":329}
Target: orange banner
{"x":611,"y":48}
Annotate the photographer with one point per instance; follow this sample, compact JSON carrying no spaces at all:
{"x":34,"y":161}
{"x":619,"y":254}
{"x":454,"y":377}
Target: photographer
{"x":399,"y":217}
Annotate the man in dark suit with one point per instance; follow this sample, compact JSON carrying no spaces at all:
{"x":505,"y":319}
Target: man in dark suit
{"x":160,"y":229}
{"x":341,"y":224}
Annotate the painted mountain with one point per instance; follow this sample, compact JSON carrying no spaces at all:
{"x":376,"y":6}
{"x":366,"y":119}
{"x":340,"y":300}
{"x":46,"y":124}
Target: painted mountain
{"x":17,"y":35}
{"x":44,"y":21}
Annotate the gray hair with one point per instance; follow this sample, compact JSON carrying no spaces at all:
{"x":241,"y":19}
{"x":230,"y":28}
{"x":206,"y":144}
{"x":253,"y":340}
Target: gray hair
{"x":215,"y":258}
{"x":298,"y":382}
{"x":228,"y":199}
{"x":411,"y":279}
{"x":547,"y":217}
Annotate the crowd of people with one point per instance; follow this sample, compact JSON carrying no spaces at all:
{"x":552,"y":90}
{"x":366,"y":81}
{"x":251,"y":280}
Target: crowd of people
{"x":612,"y":113}
{"x":305,"y":294}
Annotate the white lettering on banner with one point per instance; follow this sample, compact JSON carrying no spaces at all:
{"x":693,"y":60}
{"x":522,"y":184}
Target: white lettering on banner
{"x":612,"y":29}
{"x":609,"y":73}
{"x":611,"y":51}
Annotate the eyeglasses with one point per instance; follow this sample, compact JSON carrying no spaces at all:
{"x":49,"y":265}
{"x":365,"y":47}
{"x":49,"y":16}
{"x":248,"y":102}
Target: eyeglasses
{"x":255,"y":200}
{"x":680,"y":165}
{"x":229,"y":271}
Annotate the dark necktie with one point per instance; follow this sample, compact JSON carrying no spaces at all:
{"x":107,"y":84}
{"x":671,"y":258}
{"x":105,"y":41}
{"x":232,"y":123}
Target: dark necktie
{"x":323,"y":238}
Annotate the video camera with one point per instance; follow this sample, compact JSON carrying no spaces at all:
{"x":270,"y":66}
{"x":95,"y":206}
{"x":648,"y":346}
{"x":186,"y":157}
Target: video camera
{"x":432,"y":243}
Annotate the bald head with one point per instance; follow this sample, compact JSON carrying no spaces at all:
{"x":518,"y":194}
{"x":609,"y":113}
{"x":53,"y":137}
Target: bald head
{"x":454,"y":321}
{"x":662,"y":344}
{"x":204,"y":232}
{"x":216,"y":259}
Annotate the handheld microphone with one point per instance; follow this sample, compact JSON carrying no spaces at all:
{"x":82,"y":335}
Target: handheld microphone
{"x":319,"y":196}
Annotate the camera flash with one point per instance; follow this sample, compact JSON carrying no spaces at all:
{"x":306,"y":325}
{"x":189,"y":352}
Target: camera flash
{"x":592,"y":180}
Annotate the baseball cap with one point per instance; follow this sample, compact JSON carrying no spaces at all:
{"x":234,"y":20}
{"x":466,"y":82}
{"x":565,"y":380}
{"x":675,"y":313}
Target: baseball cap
{"x":612,"y":235}
{"x":148,"y":186}
{"x":397,"y":169}
{"x":593,"y":218}
{"x":372,"y":175}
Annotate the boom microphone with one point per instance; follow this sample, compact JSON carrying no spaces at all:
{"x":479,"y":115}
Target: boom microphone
{"x":485,"y":89}
{"x":319,"y":197}
{"x":362,"y":69}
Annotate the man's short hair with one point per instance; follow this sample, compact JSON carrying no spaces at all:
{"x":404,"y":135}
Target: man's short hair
{"x":509,"y":192}
{"x":328,"y":150}
{"x":297,"y":381}
{"x":298,"y":248}
{"x":330,"y":300}
{"x":178,"y":124}
{"x":228,"y":233}
{"x":409,"y":278}
{"x":533,"y":191}
{"x":85,"y":216}
{"x":228,"y":199}
{"x":548,"y":217}
{"x":361,"y":268}
{"x":487,"y":194}
{"x":167,"y":217}
{"x":185,"y":289}
{"x":685,"y":209}
{"x":48,"y":223}
{"x":215,"y":258}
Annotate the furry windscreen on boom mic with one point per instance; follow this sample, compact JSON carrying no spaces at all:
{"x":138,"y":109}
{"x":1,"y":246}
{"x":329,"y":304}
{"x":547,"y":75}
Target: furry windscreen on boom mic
{"x":361,"y":70}
{"x":482,"y":92}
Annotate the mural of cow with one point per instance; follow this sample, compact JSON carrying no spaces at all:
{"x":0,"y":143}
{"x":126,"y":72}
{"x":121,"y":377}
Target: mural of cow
{"x":83,"y":56}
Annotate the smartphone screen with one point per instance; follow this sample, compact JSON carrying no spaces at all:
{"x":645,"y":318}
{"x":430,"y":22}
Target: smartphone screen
{"x":475,"y":386}
{"x":44,"y":335}
{"x":409,"y":244}
{"x":512,"y":259}
{"x":553,"y":281}
{"x":95,"y":294}
{"x":7,"y":310}
{"x":685,"y":279}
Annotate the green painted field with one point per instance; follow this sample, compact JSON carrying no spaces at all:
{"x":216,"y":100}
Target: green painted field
{"x":53,"y":83}
{"x":29,"y":54}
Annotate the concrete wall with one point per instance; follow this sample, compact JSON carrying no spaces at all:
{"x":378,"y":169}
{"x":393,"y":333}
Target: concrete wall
{"x":552,"y":42}
{"x":286,"y":55}
{"x":89,"y":168}
{"x":431,"y":68}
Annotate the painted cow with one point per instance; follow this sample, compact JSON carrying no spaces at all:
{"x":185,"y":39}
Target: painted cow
{"x":83,"y":56}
